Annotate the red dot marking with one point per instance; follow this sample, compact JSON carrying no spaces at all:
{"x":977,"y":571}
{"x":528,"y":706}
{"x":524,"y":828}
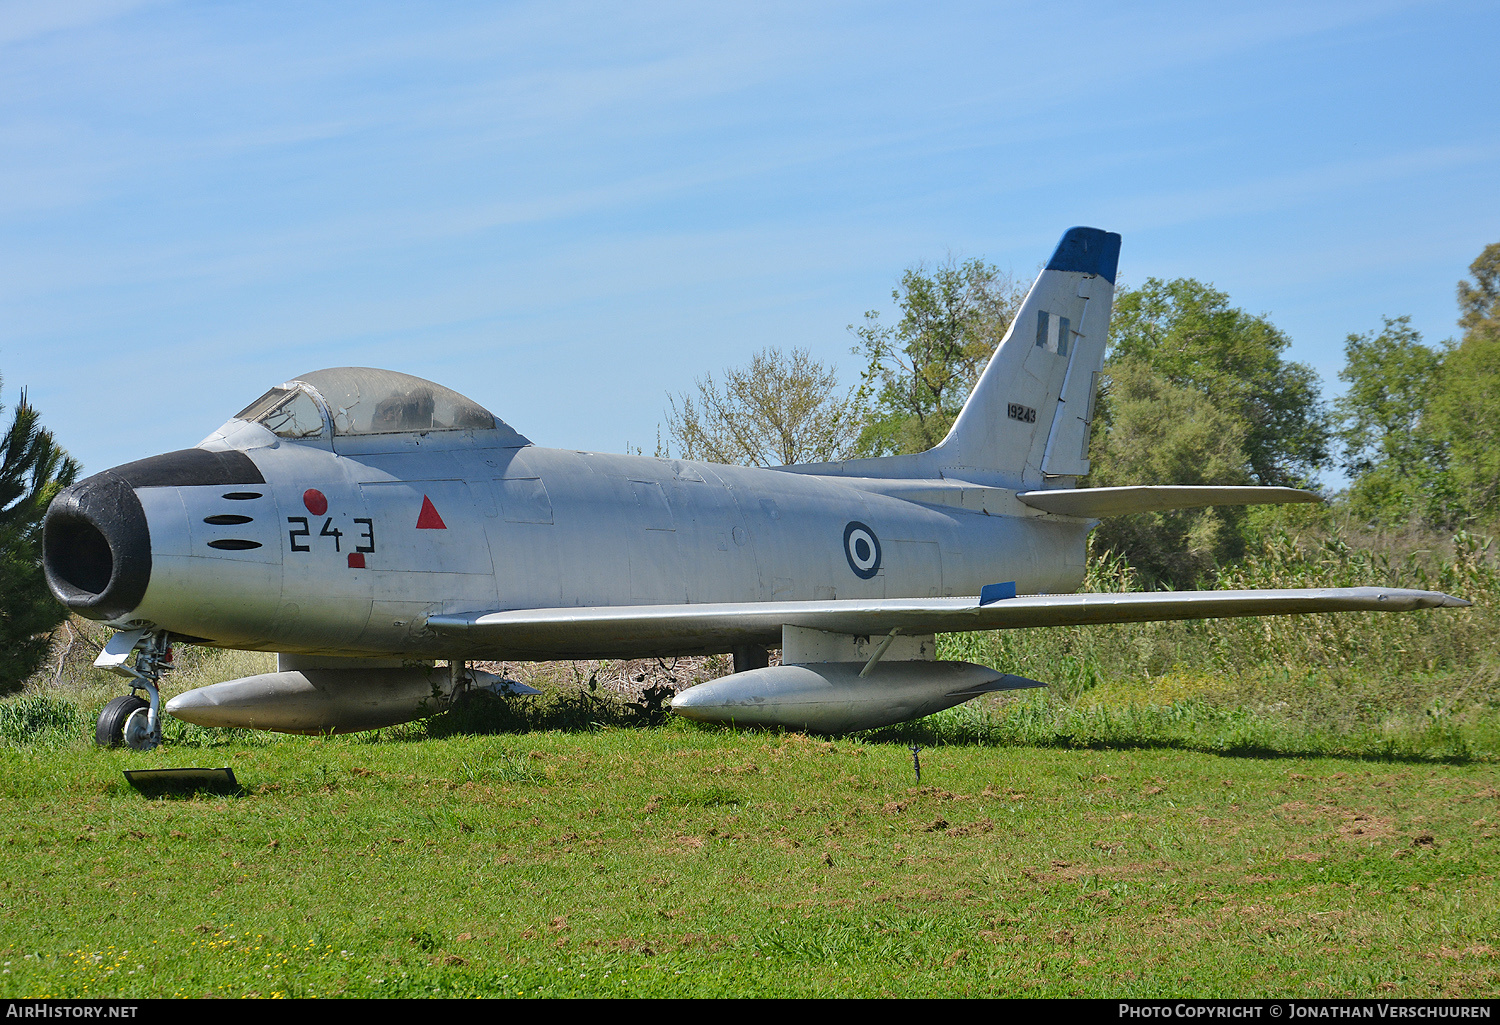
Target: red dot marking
{"x":356,"y":560}
{"x":316,"y":502}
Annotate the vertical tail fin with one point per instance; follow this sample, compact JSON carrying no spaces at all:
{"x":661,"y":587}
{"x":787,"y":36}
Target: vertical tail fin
{"x":1028,"y":417}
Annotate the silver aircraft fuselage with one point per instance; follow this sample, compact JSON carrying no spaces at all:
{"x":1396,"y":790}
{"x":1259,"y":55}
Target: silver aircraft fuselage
{"x":358,"y":541}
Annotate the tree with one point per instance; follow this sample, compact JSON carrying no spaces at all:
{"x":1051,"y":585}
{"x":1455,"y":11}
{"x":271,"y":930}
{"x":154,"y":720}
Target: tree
{"x":1393,"y":462}
{"x":33,"y":469}
{"x":1187,"y":331}
{"x":1151,"y":431}
{"x":1196,"y":391}
{"x":779,"y":410}
{"x":1479,"y":303}
{"x":919,"y":372}
{"x":1464,"y":414}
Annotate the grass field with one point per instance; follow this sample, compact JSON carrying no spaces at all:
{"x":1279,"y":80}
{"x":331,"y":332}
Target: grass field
{"x":678,"y":860}
{"x":1304,"y":807}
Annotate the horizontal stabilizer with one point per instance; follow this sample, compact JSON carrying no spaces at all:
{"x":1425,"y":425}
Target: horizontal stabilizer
{"x":1096,"y":503}
{"x":648,"y":630}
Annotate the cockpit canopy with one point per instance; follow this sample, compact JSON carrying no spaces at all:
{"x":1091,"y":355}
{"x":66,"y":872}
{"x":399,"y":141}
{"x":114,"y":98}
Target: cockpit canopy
{"x":353,"y":401}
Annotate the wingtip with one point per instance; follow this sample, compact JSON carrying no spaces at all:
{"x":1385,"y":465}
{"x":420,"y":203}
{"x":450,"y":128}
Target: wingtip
{"x":1415,"y":599}
{"x":1428,"y":599}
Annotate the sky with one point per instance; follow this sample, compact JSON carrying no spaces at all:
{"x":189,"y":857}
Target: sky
{"x":568,"y":211}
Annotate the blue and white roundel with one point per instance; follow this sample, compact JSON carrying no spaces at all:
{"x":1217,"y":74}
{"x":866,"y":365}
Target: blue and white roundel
{"x":862,"y":549}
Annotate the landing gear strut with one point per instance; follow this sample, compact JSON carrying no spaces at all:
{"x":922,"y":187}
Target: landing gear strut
{"x":131,"y":720}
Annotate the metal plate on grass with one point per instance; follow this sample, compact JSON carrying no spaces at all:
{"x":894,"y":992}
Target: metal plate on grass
{"x":182,"y":780}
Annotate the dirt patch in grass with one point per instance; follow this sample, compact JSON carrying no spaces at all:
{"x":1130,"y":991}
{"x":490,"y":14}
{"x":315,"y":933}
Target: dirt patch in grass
{"x":1362,"y":827}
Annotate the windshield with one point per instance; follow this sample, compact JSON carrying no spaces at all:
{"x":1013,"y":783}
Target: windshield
{"x":286,"y":413}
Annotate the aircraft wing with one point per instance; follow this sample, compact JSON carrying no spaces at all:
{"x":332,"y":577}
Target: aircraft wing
{"x":646,"y":630}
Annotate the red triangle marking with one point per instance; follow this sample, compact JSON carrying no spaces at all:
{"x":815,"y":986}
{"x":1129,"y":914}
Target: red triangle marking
{"x":429,"y":518}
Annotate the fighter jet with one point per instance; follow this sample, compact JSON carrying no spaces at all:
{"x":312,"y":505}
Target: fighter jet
{"x":379,"y":532}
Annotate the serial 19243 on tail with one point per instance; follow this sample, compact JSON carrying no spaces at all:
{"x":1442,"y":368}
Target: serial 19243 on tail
{"x":379,"y":532}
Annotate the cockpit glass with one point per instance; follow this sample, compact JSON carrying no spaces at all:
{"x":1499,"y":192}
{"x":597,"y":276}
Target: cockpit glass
{"x":366,"y":401}
{"x":286,"y":412}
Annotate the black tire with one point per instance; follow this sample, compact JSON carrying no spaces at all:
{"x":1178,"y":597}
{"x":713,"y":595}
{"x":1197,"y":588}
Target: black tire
{"x":111,"y":729}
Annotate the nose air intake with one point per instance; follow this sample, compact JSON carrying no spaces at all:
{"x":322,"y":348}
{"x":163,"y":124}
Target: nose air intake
{"x":96,"y":549}
{"x":96,"y":546}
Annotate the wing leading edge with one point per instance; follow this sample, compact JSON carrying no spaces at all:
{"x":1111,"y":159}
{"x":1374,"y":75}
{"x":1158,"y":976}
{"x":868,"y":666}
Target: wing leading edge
{"x":645,"y":630}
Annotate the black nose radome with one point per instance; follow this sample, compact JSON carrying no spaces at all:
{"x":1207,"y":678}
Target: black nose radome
{"x":96,"y":548}
{"x":190,"y":467}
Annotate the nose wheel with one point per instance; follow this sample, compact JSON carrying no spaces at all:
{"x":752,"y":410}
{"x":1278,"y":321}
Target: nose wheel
{"x":111,"y":728}
{"x":131,"y":720}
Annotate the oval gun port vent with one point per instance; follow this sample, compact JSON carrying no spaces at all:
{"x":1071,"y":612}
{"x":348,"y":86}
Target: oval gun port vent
{"x":242,"y":496}
{"x":227,"y":520}
{"x":233,"y":544}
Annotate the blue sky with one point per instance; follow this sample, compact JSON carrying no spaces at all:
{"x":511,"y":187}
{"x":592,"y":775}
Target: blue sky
{"x":568,"y":210}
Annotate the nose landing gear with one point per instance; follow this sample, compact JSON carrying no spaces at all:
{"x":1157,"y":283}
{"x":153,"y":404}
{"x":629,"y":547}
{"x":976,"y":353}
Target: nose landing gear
{"x":130,"y":720}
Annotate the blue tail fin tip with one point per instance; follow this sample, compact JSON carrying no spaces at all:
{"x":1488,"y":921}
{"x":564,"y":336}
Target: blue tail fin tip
{"x":1088,"y":251}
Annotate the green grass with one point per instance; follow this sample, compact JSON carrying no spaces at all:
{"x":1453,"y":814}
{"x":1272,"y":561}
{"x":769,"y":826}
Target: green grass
{"x":681,"y":861}
{"x":1300,"y":807}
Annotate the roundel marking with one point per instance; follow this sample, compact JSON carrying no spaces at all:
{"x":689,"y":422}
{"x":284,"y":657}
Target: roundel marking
{"x":316,"y":501}
{"x":862,"y":549}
